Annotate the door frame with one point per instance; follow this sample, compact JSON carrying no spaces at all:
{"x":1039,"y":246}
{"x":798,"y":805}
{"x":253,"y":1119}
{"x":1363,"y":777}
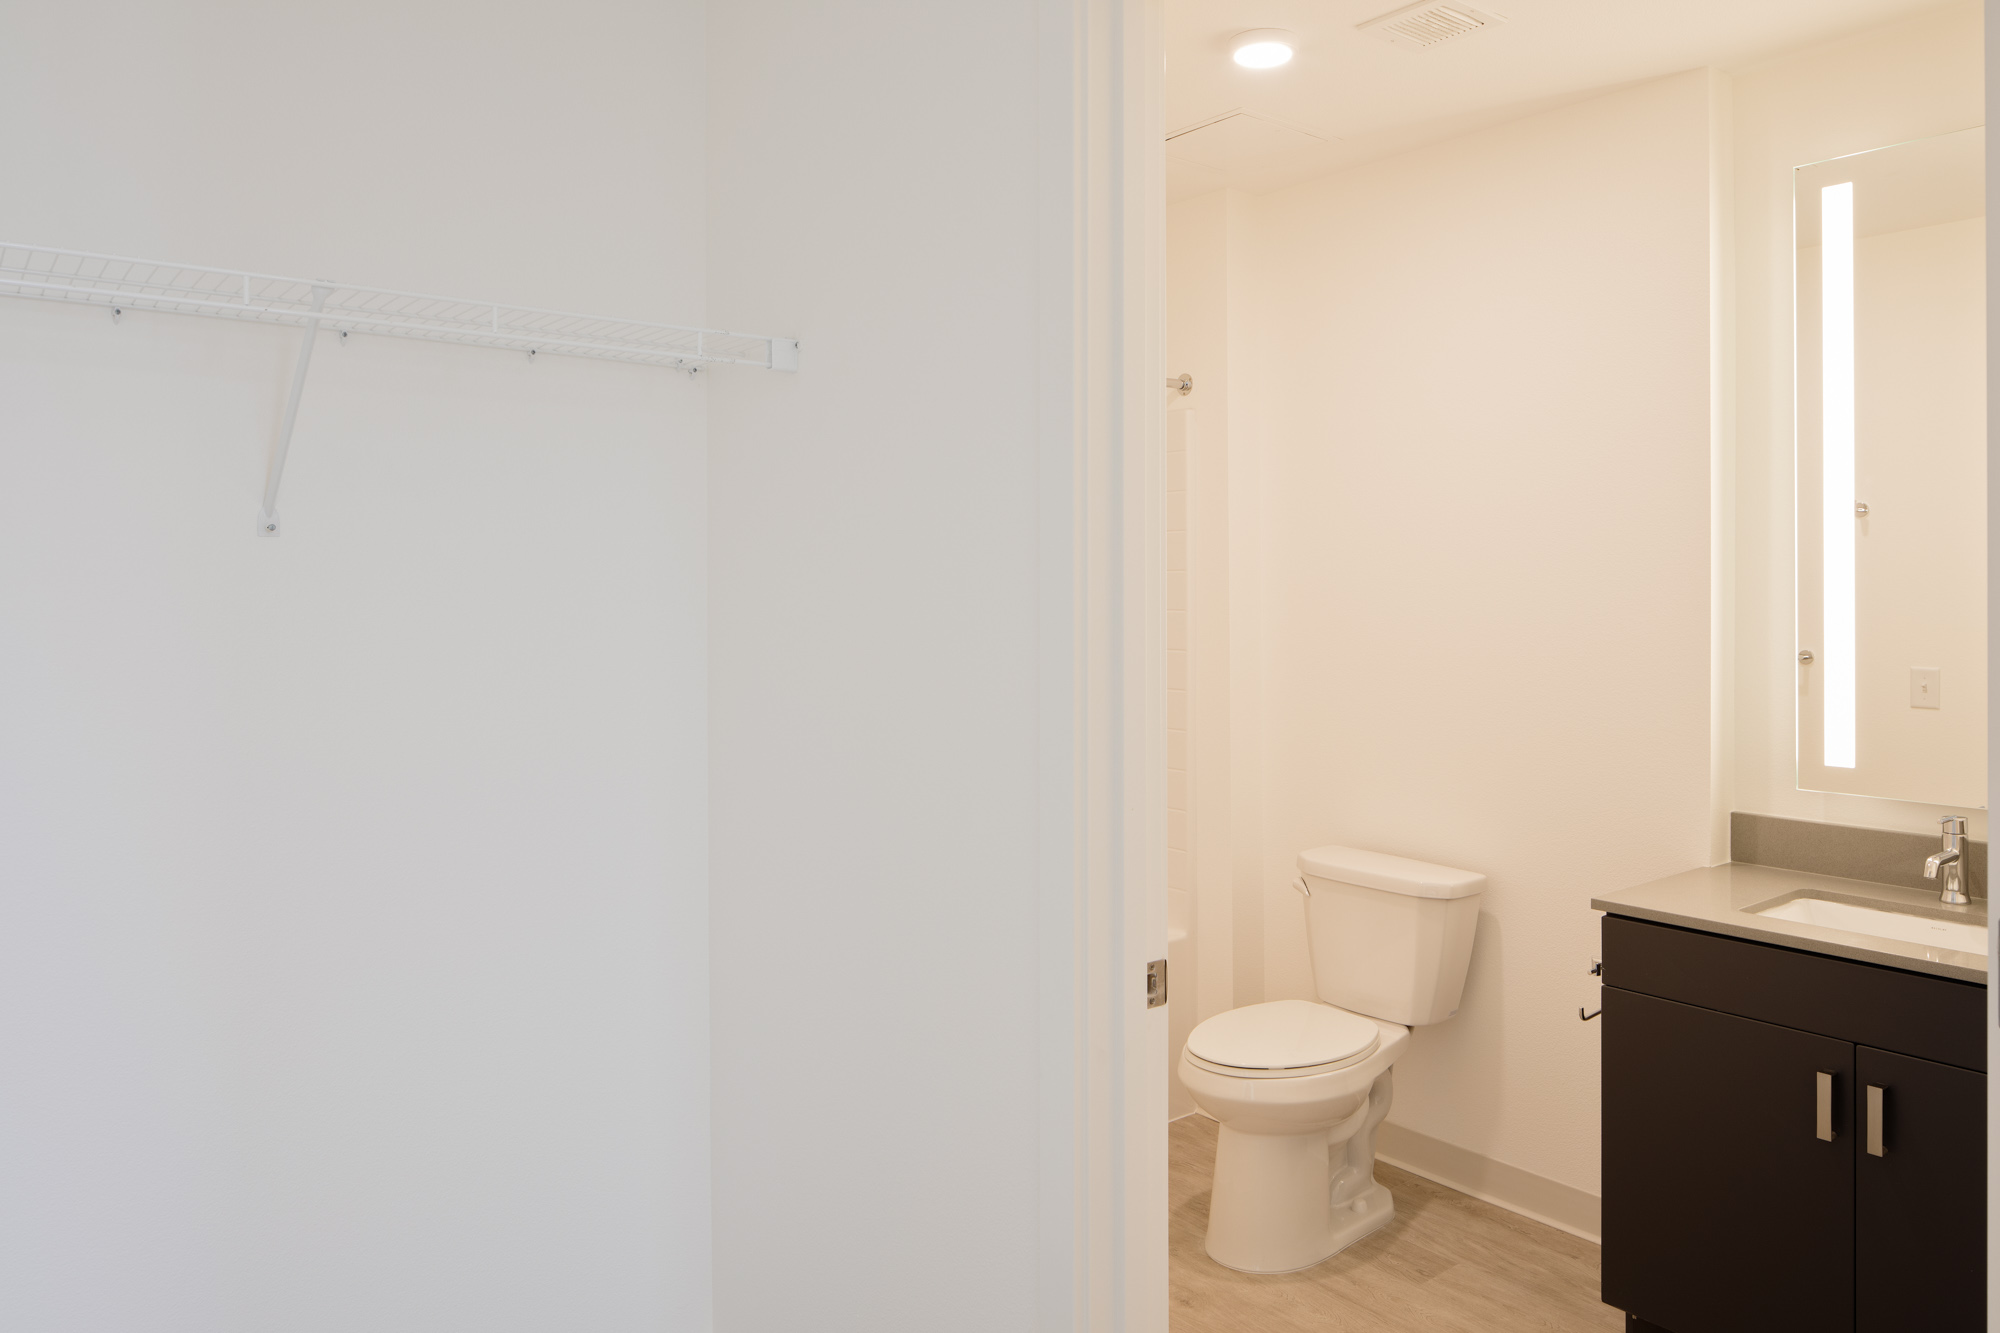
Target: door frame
{"x":1100,"y":878}
{"x":1101,"y":901}
{"x":1992,"y":57}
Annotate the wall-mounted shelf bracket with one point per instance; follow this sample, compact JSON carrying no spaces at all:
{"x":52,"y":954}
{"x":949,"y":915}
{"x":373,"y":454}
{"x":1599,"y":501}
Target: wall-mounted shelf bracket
{"x":267,"y":517}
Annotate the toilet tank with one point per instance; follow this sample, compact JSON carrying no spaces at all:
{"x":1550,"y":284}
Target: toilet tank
{"x":1390,"y":937}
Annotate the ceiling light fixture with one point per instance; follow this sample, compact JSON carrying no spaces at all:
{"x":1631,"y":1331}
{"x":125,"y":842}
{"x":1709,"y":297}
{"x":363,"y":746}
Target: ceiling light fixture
{"x":1262,"y":48}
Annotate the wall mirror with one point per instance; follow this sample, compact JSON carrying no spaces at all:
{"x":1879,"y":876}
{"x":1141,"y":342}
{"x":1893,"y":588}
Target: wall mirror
{"x":1891,"y":471}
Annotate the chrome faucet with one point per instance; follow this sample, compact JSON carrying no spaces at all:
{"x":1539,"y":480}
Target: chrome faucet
{"x":1952,"y":858}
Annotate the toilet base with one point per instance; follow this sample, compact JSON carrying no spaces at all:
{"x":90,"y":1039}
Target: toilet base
{"x":1370,"y":1211}
{"x":1286,"y":1201}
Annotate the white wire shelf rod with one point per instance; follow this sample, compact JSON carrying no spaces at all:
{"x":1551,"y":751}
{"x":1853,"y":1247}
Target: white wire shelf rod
{"x":54,"y":274}
{"x":350,"y":321}
{"x":294,"y":293}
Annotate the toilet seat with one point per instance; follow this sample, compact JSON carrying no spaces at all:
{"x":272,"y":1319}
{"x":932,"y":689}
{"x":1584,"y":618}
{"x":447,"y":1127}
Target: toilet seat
{"x":1282,"y":1039}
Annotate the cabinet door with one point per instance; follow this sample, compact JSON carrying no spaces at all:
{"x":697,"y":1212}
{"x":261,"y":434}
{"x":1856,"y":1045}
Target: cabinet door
{"x":1920,"y":1207}
{"x":1724,"y":1209}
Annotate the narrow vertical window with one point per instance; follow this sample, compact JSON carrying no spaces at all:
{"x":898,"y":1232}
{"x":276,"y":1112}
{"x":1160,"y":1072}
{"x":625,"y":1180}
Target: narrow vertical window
{"x":1836,"y":225}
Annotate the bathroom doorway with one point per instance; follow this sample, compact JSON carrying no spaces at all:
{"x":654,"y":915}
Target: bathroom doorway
{"x":1397,"y":287}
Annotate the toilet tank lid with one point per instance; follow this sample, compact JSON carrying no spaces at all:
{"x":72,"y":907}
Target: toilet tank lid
{"x":1394,"y":874}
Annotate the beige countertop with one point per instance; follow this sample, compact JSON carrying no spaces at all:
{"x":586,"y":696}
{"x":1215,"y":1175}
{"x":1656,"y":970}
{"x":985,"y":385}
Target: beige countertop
{"x":1720,"y":899}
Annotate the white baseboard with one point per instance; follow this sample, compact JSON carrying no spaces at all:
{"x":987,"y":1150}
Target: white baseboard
{"x":1551,"y":1202}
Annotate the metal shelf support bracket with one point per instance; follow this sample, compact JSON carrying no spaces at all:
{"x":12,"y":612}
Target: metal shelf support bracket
{"x":267,"y":518}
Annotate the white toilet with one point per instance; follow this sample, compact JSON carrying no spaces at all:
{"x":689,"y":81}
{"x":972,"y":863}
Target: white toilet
{"x":1300,"y":1087}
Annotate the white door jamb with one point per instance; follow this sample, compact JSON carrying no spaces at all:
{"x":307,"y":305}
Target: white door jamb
{"x":1102,"y":1256}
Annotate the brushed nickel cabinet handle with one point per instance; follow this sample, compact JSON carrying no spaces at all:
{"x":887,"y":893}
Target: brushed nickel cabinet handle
{"x":1825,"y":1109}
{"x":1875,"y":1121}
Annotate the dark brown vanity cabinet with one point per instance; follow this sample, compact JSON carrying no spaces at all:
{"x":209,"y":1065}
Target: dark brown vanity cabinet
{"x":1920,"y":1207}
{"x":1753,"y":1183}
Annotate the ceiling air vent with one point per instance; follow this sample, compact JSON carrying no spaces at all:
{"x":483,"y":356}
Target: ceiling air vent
{"x":1428,"y":23}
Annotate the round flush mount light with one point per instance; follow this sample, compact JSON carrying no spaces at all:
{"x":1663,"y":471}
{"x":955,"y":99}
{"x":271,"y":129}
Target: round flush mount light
{"x":1262,"y":48}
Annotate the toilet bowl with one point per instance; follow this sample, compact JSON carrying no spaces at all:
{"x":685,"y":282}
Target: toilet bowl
{"x":1299,"y":1087}
{"x":1295,"y":1153}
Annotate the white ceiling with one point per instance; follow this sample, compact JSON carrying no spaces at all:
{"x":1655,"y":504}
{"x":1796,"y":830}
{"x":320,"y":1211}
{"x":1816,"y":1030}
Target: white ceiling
{"x":1363,"y":97}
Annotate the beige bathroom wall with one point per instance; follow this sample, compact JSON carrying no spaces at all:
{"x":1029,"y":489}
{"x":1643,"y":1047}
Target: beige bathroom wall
{"x":1469,"y":432}
{"x":1209,"y":325}
{"x":1906,"y":81}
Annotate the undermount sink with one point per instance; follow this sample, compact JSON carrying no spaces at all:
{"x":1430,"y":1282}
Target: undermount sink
{"x":1964,"y":936}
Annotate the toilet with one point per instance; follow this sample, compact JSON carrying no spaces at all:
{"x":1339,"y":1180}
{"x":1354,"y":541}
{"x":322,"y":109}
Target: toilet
{"x":1299,"y":1087}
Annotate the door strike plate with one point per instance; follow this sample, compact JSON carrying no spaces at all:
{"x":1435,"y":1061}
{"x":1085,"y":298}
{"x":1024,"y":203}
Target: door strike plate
{"x":1156,"y":983}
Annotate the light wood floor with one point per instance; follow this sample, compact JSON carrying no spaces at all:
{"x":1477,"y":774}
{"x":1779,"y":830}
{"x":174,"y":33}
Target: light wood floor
{"x":1447,"y":1264}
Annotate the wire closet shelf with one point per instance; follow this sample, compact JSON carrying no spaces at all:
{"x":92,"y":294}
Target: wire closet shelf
{"x":185,"y":289}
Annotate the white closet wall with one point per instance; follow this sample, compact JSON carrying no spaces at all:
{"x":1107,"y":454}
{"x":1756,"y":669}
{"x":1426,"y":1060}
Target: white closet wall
{"x":352,"y":921}
{"x":879,"y":1076}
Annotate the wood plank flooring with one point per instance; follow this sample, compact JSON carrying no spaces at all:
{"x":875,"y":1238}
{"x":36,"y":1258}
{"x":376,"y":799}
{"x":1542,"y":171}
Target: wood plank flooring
{"x":1447,"y":1264}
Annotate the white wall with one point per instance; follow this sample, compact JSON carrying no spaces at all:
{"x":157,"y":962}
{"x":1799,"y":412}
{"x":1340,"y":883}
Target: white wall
{"x":352,"y":933}
{"x":874,"y":553}
{"x":1906,"y":81}
{"x":1481,"y":437}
